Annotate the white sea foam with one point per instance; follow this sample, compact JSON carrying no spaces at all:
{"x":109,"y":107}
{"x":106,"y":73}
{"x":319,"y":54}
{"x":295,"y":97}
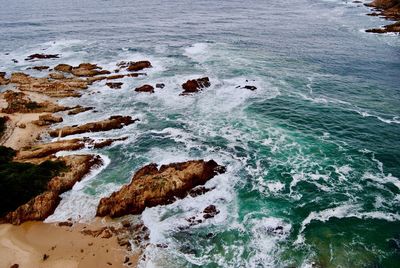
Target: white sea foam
{"x":343,"y":211}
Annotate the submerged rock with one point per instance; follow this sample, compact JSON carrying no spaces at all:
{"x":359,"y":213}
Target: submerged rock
{"x":42,"y":56}
{"x":115,"y":85}
{"x":145,"y":88}
{"x":195,"y":85}
{"x":160,"y":85}
{"x":153,"y":186}
{"x":114,"y":122}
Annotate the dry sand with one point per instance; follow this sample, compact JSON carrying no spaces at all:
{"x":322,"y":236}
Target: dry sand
{"x":43,"y":245}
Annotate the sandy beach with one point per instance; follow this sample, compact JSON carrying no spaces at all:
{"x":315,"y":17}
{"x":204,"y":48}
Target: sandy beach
{"x":37,"y":244}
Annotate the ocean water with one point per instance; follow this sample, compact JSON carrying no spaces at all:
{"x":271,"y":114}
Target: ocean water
{"x":312,"y":156}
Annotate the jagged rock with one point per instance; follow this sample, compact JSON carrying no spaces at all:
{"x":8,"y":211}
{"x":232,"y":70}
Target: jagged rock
{"x":42,"y":56}
{"x":195,"y":85}
{"x":114,"y":122}
{"x":390,"y":9}
{"x":135,"y":66}
{"x":88,"y":69}
{"x":152,"y":186}
{"x":79,"y":109}
{"x":145,"y":88}
{"x":48,"y":119}
{"x":210,"y":212}
{"x":116,"y":85}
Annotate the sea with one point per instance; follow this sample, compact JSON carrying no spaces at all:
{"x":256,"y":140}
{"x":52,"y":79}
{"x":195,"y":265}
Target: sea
{"x":312,"y":155}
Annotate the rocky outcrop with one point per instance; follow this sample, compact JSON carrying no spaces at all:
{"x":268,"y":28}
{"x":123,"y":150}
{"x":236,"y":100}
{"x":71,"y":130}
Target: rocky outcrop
{"x":390,"y":9}
{"x":43,"y":205}
{"x":18,"y":102}
{"x":114,"y":122}
{"x":67,"y":87}
{"x":48,"y":119}
{"x":88,"y":70}
{"x":48,"y":149}
{"x":145,"y":88}
{"x":152,"y":186}
{"x":195,"y":85}
{"x":42,"y":56}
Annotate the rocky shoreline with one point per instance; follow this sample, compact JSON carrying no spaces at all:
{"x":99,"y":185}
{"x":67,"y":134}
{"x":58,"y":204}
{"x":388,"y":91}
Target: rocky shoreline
{"x":29,"y":107}
{"x":388,"y":9}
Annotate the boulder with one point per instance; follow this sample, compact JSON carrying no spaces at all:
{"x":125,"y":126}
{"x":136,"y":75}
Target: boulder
{"x":195,"y":85}
{"x":145,"y":88}
{"x":160,"y":85}
{"x":153,"y":186}
{"x":134,"y":66}
{"x":114,"y":122}
{"x":63,"y":68}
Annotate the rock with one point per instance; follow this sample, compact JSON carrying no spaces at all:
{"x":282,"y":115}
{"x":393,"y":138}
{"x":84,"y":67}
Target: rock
{"x":252,"y":88}
{"x":39,"y":68}
{"x":145,"y":88}
{"x":198,"y":191}
{"x":48,"y":149}
{"x":195,"y":85}
{"x":15,"y":265}
{"x":56,"y":76}
{"x":67,"y":87}
{"x":107,"y":142}
{"x":116,"y":85}
{"x":42,"y":56}
{"x":79,"y":109}
{"x":114,"y":122}
{"x":210,"y":212}
{"x":63,"y":68}
{"x":88,"y":70}
{"x":14,"y":60}
{"x":65,"y":223}
{"x":48,"y":119}
{"x":160,"y":85}
{"x":3,"y":79}
{"x":18,"y":102}
{"x":22,"y":125}
{"x":38,"y":208}
{"x":134,"y":66}
{"x":390,"y":9}
{"x":153,"y":186}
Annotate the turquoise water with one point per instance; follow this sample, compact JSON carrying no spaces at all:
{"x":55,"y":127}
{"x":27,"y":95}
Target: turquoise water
{"x":312,"y":155}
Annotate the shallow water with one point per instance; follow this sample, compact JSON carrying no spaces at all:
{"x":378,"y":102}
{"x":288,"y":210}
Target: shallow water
{"x":312,"y":155}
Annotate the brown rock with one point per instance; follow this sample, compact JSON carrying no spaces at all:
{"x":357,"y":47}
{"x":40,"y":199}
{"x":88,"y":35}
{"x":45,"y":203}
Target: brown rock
{"x":88,"y":70}
{"x":114,"y":122}
{"x":210,"y":212}
{"x":48,"y":149}
{"x":151,"y":186}
{"x":63,"y":68}
{"x":48,"y":119}
{"x":42,"y":56}
{"x":18,"y":102}
{"x":56,"y":76}
{"x":116,"y":85}
{"x":79,"y":109}
{"x":195,"y":85}
{"x":390,"y":9}
{"x":145,"y":88}
{"x":134,"y":66}
{"x":3,"y":79}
